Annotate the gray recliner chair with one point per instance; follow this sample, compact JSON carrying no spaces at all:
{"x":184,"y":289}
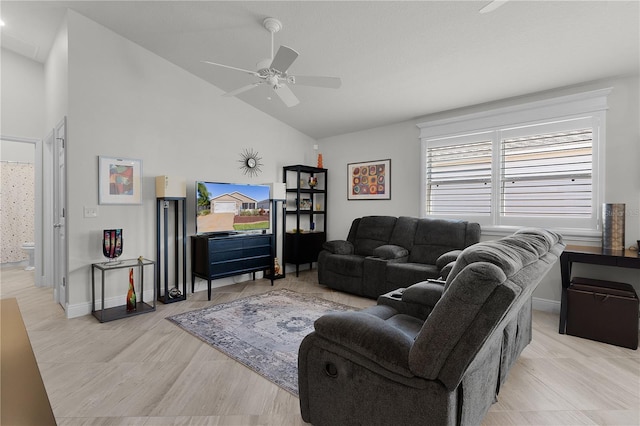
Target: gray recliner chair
{"x":432,"y":353}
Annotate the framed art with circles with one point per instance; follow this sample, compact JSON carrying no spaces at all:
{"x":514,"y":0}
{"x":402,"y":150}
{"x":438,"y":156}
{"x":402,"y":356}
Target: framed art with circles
{"x":370,"y":180}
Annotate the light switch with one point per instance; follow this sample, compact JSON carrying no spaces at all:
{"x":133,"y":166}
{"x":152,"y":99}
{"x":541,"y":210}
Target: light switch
{"x":90,"y":211}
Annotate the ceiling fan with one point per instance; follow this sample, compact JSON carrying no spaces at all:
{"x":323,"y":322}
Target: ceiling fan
{"x":273,"y":71}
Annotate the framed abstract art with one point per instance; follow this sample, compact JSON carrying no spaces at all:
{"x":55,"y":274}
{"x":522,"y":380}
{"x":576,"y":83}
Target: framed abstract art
{"x":119,"y":180}
{"x":369,"y":180}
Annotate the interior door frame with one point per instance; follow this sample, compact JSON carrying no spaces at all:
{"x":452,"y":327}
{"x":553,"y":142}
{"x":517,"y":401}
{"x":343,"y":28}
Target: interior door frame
{"x":60,"y":246}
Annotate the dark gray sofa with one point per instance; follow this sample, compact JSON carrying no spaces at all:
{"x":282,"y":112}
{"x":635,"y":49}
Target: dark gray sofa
{"x":390,"y":365}
{"x":382,"y":253}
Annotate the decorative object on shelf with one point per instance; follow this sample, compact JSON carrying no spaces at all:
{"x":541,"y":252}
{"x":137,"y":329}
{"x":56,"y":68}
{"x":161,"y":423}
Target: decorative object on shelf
{"x":369,"y":180}
{"x":112,"y":245}
{"x":119,"y":180}
{"x":320,"y":166}
{"x":313,"y":181}
{"x":131,"y":294}
{"x":276,"y":267}
{"x":250,"y":162}
{"x":305,"y":204}
{"x":175,"y":293}
{"x":613,"y":226}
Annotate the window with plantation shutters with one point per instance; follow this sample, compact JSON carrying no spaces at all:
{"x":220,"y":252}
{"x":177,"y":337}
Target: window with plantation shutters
{"x":534,"y":164}
{"x":547,"y":175}
{"x":459,"y":178}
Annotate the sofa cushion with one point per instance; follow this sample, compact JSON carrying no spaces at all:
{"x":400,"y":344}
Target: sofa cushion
{"x":389,"y":251}
{"x":435,"y":237}
{"x":372,"y":232}
{"x":350,"y":265}
{"x":404,"y":232}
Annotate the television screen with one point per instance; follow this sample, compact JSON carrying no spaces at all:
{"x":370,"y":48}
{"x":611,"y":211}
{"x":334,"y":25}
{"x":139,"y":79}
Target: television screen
{"x":229,"y":207}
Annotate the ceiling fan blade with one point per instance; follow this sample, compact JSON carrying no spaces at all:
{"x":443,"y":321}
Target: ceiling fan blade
{"x":230,"y":67}
{"x":242,"y":89}
{"x":317,"y":81}
{"x":283,"y":59}
{"x":491,"y":6}
{"x":286,"y":95}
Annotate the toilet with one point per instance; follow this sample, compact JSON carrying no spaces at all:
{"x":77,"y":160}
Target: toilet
{"x":30,"y":249}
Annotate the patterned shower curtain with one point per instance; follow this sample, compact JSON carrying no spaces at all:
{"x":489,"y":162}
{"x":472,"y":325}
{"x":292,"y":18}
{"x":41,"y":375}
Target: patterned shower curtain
{"x":17,"y":209}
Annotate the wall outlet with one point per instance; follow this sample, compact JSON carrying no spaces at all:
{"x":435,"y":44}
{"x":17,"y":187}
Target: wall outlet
{"x":90,"y":211}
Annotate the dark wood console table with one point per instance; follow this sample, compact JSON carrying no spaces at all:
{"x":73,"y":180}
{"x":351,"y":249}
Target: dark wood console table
{"x":214,"y":257}
{"x":593,"y":256}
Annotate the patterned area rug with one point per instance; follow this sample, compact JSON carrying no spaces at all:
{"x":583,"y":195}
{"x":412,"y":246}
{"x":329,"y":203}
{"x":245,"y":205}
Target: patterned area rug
{"x":262,"y":332}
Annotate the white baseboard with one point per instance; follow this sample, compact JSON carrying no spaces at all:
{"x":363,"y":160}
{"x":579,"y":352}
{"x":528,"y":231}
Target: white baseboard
{"x":546,"y":305}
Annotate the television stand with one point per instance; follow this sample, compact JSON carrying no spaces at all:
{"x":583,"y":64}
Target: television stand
{"x":217,"y":256}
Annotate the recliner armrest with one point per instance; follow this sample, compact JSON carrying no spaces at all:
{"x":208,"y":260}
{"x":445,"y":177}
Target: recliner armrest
{"x":447,"y":258}
{"x":390,"y":251}
{"x":369,"y":336}
{"x":338,"y":247}
{"x":426,"y":293}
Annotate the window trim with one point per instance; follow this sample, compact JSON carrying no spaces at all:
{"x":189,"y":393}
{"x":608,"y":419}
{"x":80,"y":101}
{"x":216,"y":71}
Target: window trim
{"x":587,"y":104}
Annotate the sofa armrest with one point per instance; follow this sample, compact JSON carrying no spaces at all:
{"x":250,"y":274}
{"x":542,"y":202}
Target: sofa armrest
{"x":426,"y":293}
{"x":444,"y":272}
{"x":369,"y":336}
{"x":338,"y":247}
{"x":390,"y":252}
{"x":447,"y":258}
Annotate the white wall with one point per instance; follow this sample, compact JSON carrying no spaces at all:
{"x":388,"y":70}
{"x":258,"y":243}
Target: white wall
{"x":400,"y":143}
{"x":56,"y":80}
{"x":125,"y":101}
{"x":22,"y":98}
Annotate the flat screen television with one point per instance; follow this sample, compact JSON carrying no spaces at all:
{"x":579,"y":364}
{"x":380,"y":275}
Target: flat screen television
{"x":230,"y":208}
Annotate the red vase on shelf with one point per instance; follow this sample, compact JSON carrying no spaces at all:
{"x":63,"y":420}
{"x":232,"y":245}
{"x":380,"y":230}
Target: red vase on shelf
{"x":320,"y":161}
{"x":131,"y":294}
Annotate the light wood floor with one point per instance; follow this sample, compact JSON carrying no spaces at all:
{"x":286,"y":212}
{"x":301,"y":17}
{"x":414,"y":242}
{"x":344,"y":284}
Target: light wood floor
{"x":144,"y":370}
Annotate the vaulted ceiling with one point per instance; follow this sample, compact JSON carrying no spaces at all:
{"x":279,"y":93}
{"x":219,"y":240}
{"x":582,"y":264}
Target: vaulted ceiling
{"x":398,"y":60}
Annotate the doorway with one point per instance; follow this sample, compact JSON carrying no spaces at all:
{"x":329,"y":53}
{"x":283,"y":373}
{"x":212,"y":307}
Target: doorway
{"x":50,"y":203}
{"x":21,"y":163}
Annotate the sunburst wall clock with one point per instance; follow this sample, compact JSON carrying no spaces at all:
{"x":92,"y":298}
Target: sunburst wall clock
{"x":250,"y":162}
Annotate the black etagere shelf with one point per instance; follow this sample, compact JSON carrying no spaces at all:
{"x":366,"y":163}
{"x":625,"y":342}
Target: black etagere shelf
{"x":306,"y":204}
